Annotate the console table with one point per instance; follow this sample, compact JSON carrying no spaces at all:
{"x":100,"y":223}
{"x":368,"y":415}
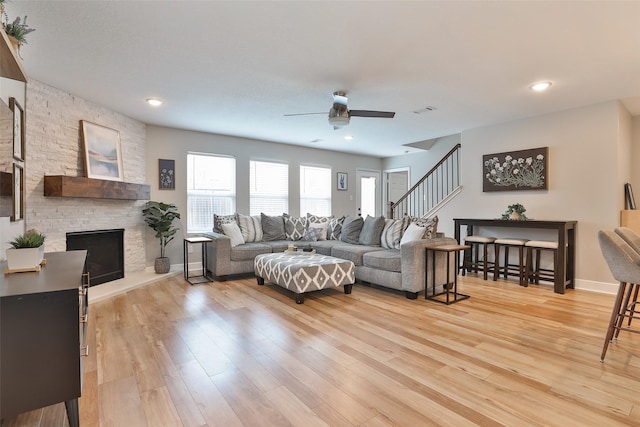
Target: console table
{"x":565,"y":276}
{"x":42,"y":336}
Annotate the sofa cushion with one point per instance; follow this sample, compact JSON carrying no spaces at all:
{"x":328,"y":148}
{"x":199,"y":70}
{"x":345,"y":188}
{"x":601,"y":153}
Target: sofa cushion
{"x":320,"y":221}
{"x":323,"y":247}
{"x":351,"y":228}
{"x":218,"y":220}
{"x":371,"y":231}
{"x":232,"y":231}
{"x":250,"y":227}
{"x":272,"y":228}
{"x":248,"y":251}
{"x":353,"y":253}
{"x":294,"y":227}
{"x":388,"y":260}
{"x":335,"y":228}
{"x":392,"y":233}
{"x":279,"y":245}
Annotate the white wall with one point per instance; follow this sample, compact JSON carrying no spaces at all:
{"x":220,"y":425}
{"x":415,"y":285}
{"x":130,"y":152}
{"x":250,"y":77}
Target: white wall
{"x":54,"y":147}
{"x":588,"y":155}
{"x":169,"y":143}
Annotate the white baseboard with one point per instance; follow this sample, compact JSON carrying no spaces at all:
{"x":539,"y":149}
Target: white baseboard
{"x":602,"y":287}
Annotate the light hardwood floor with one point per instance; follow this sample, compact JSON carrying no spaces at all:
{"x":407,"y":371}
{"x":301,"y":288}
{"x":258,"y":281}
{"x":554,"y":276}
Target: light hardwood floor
{"x":238,"y":354}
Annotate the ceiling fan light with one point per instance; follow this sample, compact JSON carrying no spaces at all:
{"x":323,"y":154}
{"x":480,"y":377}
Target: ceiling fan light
{"x":338,"y":118}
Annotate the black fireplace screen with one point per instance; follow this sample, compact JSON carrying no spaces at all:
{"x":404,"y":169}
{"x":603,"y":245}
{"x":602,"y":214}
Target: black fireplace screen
{"x":105,"y":253}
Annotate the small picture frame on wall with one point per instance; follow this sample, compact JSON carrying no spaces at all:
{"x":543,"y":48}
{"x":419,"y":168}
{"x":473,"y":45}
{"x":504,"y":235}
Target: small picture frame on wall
{"x":18,"y":129}
{"x":167,"y":174}
{"x":18,"y":195}
{"x":343,"y":181}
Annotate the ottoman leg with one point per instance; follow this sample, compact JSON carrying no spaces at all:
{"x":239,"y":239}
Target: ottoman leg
{"x":299,"y":298}
{"x":260,"y":280}
{"x":347,"y":289}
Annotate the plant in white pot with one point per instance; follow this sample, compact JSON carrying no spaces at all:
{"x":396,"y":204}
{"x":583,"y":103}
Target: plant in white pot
{"x":159,"y":216}
{"x":26,"y":252}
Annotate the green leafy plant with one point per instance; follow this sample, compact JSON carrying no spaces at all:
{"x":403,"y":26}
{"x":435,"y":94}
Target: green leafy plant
{"x":517,"y":208}
{"x":29,"y":239}
{"x":18,"y":29}
{"x":159,"y":216}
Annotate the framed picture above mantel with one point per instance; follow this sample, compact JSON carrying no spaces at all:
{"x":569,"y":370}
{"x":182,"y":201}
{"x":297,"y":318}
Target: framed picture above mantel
{"x":102,"y":152}
{"x":516,"y":170}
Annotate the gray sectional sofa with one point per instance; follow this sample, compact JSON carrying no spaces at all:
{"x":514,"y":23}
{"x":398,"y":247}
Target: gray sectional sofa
{"x":392,"y":265}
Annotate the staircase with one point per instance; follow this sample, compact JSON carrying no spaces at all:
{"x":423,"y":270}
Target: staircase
{"x":433,"y":191}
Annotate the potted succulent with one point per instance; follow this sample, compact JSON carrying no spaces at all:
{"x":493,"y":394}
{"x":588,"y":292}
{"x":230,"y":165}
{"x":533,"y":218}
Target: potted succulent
{"x":26,"y":252}
{"x":159,"y":216}
{"x":516,"y":212}
{"x":17,"y":30}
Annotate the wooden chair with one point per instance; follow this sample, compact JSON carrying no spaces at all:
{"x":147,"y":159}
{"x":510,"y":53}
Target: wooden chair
{"x":510,"y":269}
{"x":624,"y":263}
{"x":472,"y":261}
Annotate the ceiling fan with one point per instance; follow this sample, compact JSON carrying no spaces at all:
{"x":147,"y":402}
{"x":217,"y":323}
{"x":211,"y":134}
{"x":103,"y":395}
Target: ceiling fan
{"x":340,"y":116}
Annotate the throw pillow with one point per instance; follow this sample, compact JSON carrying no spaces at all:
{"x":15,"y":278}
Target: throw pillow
{"x":412,"y":233}
{"x":371,"y":231}
{"x":315,"y":219}
{"x":250,"y":227}
{"x":351,"y":228}
{"x":334,"y":228}
{"x":272,"y":228}
{"x":431,"y":225}
{"x":392,"y":233}
{"x":232,"y":231}
{"x":294,"y":227}
{"x":218,"y":220}
{"x":312,"y":234}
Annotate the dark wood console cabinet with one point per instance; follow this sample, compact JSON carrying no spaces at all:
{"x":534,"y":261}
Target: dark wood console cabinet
{"x":42,"y":335}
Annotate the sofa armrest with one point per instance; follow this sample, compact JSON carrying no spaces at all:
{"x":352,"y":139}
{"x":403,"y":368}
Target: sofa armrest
{"x":219,"y":253}
{"x":413,"y":264}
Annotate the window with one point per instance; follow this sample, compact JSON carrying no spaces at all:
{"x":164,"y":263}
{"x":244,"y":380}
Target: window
{"x":268,"y":188}
{"x":211,"y":188}
{"x":315,"y":190}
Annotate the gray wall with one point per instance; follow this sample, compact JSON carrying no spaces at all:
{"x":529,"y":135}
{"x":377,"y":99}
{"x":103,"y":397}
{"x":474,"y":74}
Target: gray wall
{"x":169,"y":143}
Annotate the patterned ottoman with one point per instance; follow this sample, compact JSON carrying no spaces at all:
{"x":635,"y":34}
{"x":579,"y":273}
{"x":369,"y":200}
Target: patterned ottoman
{"x":302,"y":273}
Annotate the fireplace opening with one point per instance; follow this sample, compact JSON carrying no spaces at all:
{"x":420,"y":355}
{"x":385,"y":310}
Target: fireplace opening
{"x":105,"y":253}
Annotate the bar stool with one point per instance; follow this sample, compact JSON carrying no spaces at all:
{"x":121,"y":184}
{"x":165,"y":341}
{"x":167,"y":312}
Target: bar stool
{"x":533,"y":273}
{"x":510,"y":269}
{"x":472,"y":260}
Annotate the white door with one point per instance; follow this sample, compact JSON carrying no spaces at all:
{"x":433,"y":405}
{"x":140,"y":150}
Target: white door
{"x":368,"y":192}
{"x":396,"y":185}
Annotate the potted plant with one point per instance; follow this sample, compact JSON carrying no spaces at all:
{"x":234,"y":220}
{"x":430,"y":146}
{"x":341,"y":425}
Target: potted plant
{"x":159,"y":216}
{"x":515,"y":211}
{"x":17,"y":31}
{"x":26,"y":252}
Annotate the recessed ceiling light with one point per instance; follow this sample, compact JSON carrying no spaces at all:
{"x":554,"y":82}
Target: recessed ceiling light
{"x":154,"y":102}
{"x":540,"y":86}
{"x":348,"y":137}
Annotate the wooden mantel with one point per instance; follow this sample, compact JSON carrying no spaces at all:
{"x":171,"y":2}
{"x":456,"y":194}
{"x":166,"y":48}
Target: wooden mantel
{"x":77,"y":186}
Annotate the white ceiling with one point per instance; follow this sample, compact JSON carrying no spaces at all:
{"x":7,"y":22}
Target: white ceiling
{"x":237,"y":67}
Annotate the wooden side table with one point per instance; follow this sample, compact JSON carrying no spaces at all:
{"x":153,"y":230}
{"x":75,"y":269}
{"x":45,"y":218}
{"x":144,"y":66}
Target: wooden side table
{"x":451,"y":295}
{"x":202,"y":278}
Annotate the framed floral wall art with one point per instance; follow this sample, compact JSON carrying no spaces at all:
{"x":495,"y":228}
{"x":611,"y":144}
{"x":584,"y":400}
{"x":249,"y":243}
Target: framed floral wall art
{"x":167,"y":169}
{"x":516,"y":170}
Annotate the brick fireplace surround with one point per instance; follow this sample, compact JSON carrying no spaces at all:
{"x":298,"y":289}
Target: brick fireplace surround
{"x":54,"y":147}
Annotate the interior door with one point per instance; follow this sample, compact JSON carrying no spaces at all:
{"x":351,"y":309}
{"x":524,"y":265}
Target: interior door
{"x":368,"y":192}
{"x":396,"y":185}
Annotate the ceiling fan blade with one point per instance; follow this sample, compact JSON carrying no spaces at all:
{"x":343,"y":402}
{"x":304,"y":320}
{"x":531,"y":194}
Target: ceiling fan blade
{"x":302,"y":114}
{"x":369,"y":113}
